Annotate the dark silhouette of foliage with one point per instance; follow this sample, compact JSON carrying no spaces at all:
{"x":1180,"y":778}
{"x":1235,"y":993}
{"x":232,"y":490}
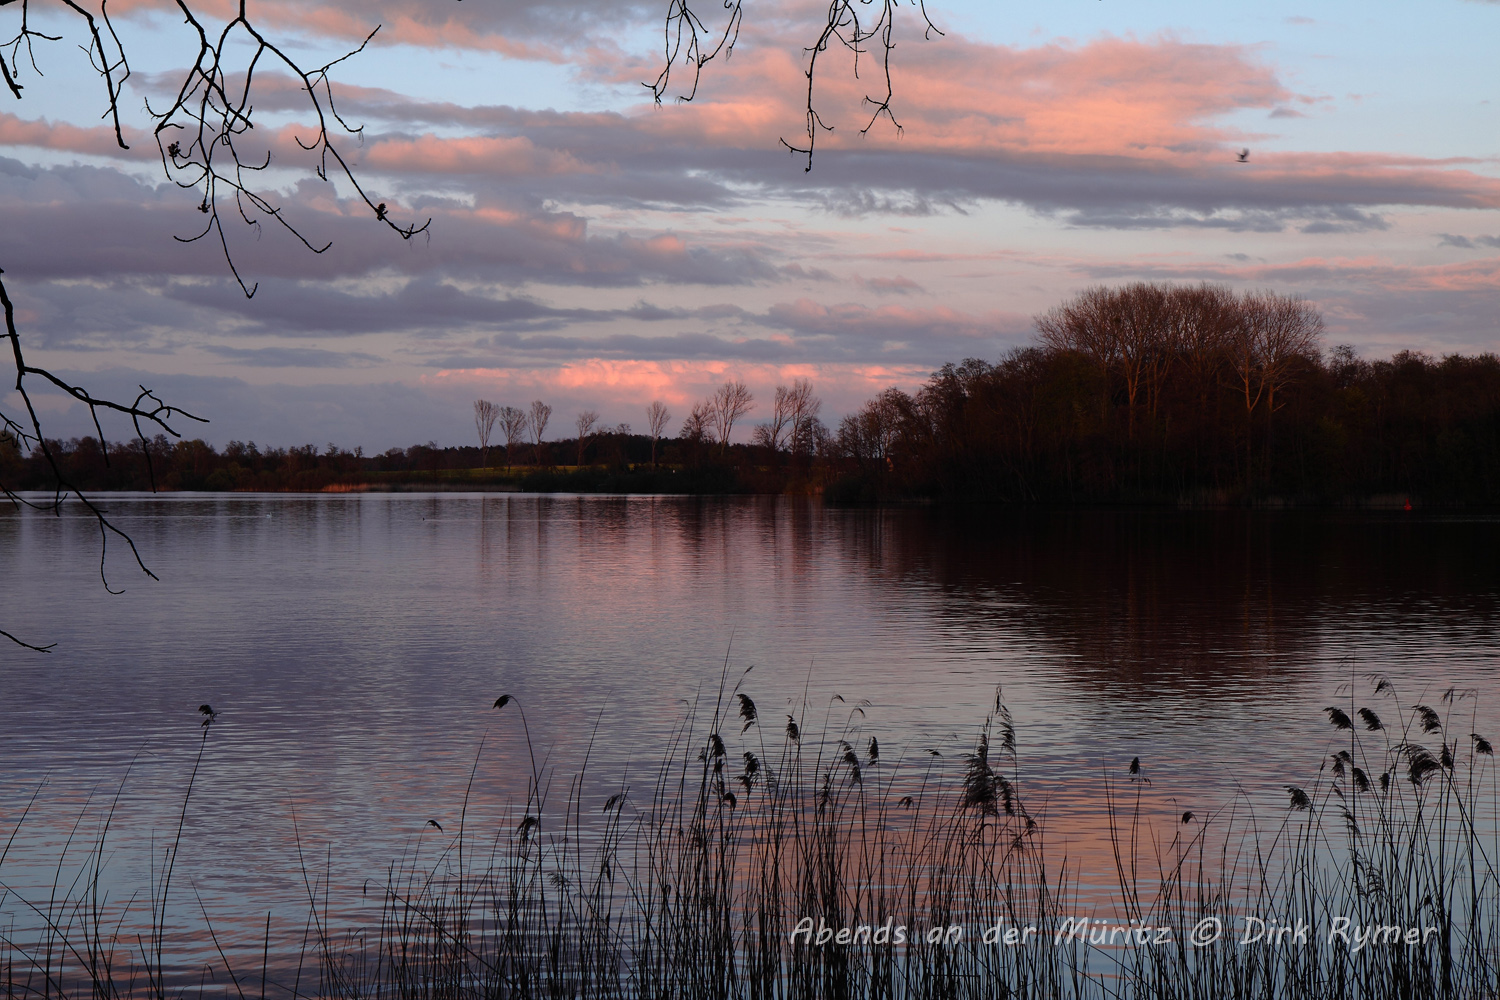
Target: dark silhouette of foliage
{"x":1163,"y":394}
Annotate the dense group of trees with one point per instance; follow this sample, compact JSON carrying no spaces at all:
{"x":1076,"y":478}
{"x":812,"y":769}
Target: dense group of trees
{"x":1155,"y":393}
{"x":1143,"y":393}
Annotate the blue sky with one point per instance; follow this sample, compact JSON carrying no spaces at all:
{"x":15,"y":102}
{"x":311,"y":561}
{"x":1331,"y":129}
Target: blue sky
{"x":595,"y":251}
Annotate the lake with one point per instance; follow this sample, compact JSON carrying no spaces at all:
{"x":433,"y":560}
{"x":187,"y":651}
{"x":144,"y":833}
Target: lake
{"x":353,"y":645}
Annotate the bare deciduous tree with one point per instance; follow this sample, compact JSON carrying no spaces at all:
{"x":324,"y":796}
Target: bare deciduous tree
{"x":657,"y":416}
{"x":514,"y":423}
{"x":793,"y":413}
{"x":1289,"y":330}
{"x":731,"y":402}
{"x":1257,"y":343}
{"x":1124,"y":330}
{"x":803,"y":409}
{"x":770,"y":433}
{"x":869,"y":434}
{"x":1203,"y":317}
{"x":699,"y":425}
{"x":540,"y":414}
{"x":485,"y":415}
{"x":585,"y":424}
{"x":1082,"y":327}
{"x":1146,"y":347}
{"x":1274,"y":334}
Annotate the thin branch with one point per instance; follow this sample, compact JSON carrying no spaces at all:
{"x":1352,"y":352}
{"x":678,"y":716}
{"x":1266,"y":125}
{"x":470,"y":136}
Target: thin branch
{"x":26,"y":645}
{"x":31,"y":437}
{"x":197,"y":136}
{"x":690,"y":42}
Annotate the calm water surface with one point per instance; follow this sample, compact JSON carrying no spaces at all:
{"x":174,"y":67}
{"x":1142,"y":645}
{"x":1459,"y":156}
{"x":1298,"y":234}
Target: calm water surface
{"x":354,"y":643}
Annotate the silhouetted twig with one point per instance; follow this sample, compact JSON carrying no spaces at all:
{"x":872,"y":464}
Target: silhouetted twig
{"x":689,"y":41}
{"x":198,"y":136}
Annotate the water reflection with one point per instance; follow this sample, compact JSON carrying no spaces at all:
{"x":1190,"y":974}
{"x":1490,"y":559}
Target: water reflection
{"x":354,"y":645}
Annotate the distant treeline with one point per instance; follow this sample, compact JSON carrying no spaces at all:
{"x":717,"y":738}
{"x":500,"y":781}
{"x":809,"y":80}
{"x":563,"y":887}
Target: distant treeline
{"x":1139,"y":394}
{"x":194,"y":465}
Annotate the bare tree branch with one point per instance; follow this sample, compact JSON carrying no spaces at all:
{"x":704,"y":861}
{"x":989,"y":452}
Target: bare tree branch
{"x":29,"y":435}
{"x":485,"y":415}
{"x":585,"y":424}
{"x":731,"y":402}
{"x":514,"y":422}
{"x":26,"y":645}
{"x":198,"y":136}
{"x":537,"y":420}
{"x":657,"y":416}
{"x":691,"y":43}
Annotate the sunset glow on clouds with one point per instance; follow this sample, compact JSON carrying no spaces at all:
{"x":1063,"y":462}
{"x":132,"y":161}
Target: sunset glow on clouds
{"x":592,"y":249}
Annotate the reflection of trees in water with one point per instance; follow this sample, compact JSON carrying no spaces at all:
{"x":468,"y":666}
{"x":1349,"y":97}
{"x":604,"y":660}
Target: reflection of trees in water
{"x":1144,"y":599}
{"x":1139,"y":603}
{"x":722,"y":539}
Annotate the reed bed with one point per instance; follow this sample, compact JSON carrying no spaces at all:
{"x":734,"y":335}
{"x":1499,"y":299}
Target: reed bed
{"x":764,"y":861}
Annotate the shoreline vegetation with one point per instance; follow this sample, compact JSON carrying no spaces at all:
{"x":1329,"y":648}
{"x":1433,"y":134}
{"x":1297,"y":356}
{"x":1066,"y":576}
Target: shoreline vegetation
{"x":924,"y":875}
{"x":1144,"y":394}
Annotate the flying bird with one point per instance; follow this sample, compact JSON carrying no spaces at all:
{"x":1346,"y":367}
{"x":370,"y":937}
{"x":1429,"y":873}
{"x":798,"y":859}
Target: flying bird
{"x":1244,"y":156}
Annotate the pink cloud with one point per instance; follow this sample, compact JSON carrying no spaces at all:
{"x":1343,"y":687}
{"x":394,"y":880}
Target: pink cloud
{"x":1114,"y":104}
{"x":1472,"y":275}
{"x":97,"y":140}
{"x":427,"y":25}
{"x":1112,"y":96}
{"x":623,"y":388}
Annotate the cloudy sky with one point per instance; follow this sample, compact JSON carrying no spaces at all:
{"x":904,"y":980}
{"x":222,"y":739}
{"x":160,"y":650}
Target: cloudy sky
{"x":594,"y":250}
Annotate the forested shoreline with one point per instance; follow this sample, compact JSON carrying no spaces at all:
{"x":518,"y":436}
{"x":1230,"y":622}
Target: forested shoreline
{"x":1146,"y":394}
